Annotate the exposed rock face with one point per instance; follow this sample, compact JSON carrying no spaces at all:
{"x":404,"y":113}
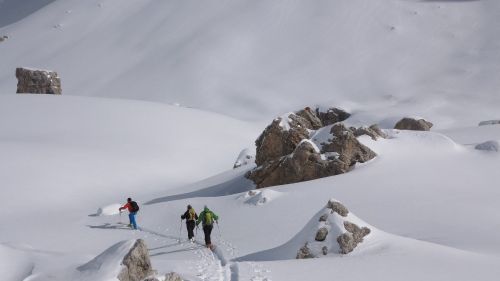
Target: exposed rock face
{"x":38,"y":81}
{"x":321,"y":234}
{"x":413,"y":124}
{"x":304,"y":164}
{"x":304,"y":253}
{"x":338,"y":208}
{"x":489,"y":122}
{"x":489,"y":146}
{"x":136,"y":263}
{"x":314,"y":122}
{"x":323,"y":217}
{"x":281,"y":137}
{"x":332,"y":115}
{"x":373,"y":132}
{"x":354,"y":235}
{"x":348,"y":147}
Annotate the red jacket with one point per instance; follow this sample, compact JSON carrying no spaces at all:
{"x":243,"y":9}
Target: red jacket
{"x":127,"y":206}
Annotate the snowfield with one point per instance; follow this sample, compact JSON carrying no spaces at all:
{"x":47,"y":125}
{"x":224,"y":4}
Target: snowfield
{"x":162,"y":98}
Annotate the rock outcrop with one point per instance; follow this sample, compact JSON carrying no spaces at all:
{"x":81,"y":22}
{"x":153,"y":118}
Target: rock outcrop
{"x":492,"y":145}
{"x":332,"y":115}
{"x":34,"y":81}
{"x":136,"y":263}
{"x":489,"y":122}
{"x":3,"y":38}
{"x":285,"y":154}
{"x":281,"y":137}
{"x":349,"y":241}
{"x":335,"y":232}
{"x":413,"y":124}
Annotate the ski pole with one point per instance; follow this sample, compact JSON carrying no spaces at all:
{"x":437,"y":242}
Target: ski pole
{"x":218,"y":228}
{"x":180,"y":232}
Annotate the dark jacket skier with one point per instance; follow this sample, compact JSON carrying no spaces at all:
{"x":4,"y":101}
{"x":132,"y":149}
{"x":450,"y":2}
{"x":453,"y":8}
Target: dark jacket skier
{"x":190,"y":216}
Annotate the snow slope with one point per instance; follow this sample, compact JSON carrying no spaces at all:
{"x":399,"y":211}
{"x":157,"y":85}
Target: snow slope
{"x":253,"y":59}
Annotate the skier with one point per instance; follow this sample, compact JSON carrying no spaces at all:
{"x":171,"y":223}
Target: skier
{"x":133,"y":208}
{"x":190,"y":216}
{"x":207,"y":218}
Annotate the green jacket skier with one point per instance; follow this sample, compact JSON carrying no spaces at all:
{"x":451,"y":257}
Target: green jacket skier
{"x":207,"y":218}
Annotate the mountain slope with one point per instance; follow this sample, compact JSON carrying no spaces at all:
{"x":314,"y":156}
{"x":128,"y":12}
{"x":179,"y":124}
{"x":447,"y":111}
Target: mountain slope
{"x":245,"y":58}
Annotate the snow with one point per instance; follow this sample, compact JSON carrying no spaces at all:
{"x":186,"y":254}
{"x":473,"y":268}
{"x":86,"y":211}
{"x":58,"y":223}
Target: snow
{"x":109,"y":210}
{"x":159,"y":97}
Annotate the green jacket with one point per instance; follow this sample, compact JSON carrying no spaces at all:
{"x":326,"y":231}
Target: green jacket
{"x":202,"y":217}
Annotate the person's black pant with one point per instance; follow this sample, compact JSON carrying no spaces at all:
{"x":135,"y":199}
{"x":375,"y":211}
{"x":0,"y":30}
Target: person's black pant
{"x":207,"y":229}
{"x":190,"y":228}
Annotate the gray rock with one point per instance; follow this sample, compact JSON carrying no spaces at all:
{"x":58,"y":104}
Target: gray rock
{"x":321,"y":234}
{"x":136,"y":263}
{"x":38,"y":81}
{"x":332,"y":115}
{"x":373,"y":132}
{"x":323,"y":217}
{"x":277,"y":141}
{"x":324,"y":250}
{"x":172,"y":276}
{"x":304,"y":253}
{"x":379,"y":131}
{"x":3,"y":38}
{"x":489,"y":146}
{"x":338,"y":208}
{"x":413,"y":124}
{"x":309,"y":115}
{"x":354,"y":235}
{"x":151,"y":279}
{"x":489,"y":122}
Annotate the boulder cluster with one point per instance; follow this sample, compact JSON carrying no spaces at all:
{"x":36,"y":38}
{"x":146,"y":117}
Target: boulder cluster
{"x":33,"y":81}
{"x":287,"y":151}
{"x":334,"y":222}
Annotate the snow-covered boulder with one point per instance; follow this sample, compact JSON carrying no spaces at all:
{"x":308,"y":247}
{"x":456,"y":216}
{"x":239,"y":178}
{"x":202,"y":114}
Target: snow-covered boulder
{"x":347,"y":146}
{"x":492,"y":145}
{"x":489,"y":122}
{"x":244,"y":158}
{"x":332,"y":115}
{"x":336,"y":235}
{"x":305,"y":163}
{"x":3,"y":38}
{"x":414,"y":124}
{"x":126,"y":261}
{"x":34,"y":81}
{"x":281,"y":137}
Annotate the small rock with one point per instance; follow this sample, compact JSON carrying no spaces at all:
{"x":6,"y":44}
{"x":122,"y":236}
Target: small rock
{"x":413,"y":124}
{"x":304,"y":253}
{"x":323,"y":217}
{"x":354,"y":235}
{"x":489,"y":146}
{"x":489,"y":122}
{"x":321,"y":234}
{"x":324,"y":250}
{"x":338,"y":208}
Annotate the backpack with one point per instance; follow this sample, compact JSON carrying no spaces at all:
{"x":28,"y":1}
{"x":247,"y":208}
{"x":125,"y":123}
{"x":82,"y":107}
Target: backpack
{"x":191,"y":215}
{"x":135,"y":207}
{"x":208,"y":218}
